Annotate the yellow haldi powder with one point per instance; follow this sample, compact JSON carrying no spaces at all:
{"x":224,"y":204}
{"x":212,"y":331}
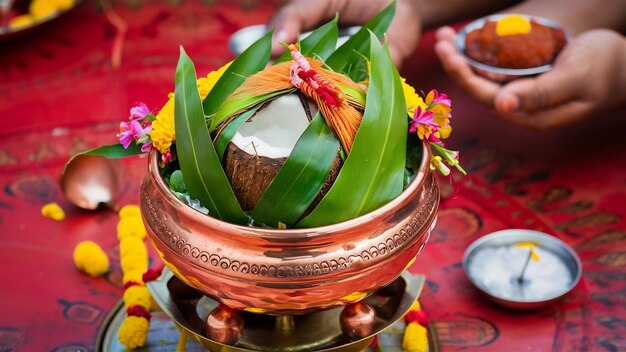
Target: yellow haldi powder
{"x":513,"y":25}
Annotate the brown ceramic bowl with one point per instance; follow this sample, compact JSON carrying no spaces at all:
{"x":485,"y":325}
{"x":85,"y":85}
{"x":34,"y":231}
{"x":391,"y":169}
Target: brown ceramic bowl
{"x":294,"y":271}
{"x":494,"y":73}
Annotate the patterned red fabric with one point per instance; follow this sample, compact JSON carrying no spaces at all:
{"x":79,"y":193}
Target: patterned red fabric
{"x":59,"y":94}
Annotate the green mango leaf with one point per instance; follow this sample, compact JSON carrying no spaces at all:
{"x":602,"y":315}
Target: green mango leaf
{"x":113,"y":151}
{"x":319,"y":44}
{"x":300,"y":179}
{"x":414,"y":152}
{"x":356,"y":94}
{"x":232,"y":106}
{"x":373,"y":173}
{"x":226,"y":135}
{"x":203,"y":174}
{"x":251,"y":61}
{"x":353,"y":50}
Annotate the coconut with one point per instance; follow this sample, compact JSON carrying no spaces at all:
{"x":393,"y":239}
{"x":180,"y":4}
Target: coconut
{"x":263,"y":143}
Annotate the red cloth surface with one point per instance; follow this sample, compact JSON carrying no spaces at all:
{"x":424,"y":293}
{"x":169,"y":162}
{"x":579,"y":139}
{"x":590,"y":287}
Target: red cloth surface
{"x":60,"y":93}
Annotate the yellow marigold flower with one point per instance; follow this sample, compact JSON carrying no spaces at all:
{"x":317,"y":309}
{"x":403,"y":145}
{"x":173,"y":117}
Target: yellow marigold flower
{"x":130,"y":263}
{"x":133,"y":276}
{"x":53,"y":211}
{"x":129,"y":210}
{"x":137,"y":295}
{"x":163,"y":132}
{"x":413,"y":100}
{"x":513,"y":25}
{"x":133,"y":332}
{"x":42,"y":8}
{"x":132,"y":245}
{"x":415,"y":338}
{"x":133,"y":254}
{"x":91,"y":259}
{"x":21,"y":21}
{"x":131,"y":226}
{"x":63,"y":4}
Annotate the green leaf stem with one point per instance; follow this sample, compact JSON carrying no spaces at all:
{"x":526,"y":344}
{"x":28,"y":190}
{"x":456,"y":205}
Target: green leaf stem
{"x":113,"y":151}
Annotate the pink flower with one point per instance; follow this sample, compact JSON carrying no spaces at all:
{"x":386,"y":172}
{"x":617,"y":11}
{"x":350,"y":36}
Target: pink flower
{"x":422,"y":118}
{"x":146,"y":147}
{"x":126,"y":134}
{"x":139,"y":112}
{"x":423,"y":123}
{"x":433,"y":97}
{"x":167,"y":157}
{"x":133,"y":130}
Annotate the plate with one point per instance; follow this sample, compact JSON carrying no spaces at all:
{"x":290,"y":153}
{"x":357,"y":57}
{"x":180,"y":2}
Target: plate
{"x":500,"y":74}
{"x":323,"y":331}
{"x":494,"y":264}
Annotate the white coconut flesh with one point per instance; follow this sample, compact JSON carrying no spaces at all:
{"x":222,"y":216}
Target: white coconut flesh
{"x":274,"y":130}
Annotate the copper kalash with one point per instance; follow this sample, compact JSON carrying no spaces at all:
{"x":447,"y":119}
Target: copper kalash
{"x":290,"y":272}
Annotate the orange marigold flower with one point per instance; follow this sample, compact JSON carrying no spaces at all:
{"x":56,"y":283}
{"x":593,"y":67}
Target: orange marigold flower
{"x":163,"y":132}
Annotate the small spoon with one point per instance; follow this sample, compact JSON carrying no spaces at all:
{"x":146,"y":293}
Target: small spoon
{"x":91,"y":181}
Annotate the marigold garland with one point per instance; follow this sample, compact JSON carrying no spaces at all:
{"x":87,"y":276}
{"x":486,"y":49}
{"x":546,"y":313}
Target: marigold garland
{"x":415,"y":334}
{"x":133,"y":331}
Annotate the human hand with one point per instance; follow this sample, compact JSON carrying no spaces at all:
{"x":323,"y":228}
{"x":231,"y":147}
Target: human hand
{"x":587,"y":78}
{"x":301,"y":15}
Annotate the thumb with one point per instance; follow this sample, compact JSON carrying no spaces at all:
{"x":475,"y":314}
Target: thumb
{"x":542,"y":92}
{"x":296,"y":17}
{"x":286,"y":29}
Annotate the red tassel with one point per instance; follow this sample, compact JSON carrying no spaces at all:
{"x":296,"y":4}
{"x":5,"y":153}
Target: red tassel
{"x":152,"y":274}
{"x":138,"y":311}
{"x":417,"y":316}
{"x":132,"y":283}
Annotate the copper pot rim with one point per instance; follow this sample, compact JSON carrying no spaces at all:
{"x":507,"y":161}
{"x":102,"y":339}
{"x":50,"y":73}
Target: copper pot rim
{"x":300,"y":233}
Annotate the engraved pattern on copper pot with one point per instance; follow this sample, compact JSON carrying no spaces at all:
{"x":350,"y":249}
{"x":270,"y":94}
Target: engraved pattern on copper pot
{"x":289,"y":271}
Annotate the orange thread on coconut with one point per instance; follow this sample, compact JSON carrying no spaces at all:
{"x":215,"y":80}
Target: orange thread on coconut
{"x":302,"y":74}
{"x":343,"y":119}
{"x":513,"y":25}
{"x":342,"y":112}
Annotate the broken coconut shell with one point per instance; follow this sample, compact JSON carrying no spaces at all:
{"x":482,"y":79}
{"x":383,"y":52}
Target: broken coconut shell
{"x":262,"y":145}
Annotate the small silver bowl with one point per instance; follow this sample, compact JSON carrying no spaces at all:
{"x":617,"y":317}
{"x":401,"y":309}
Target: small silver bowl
{"x":243,"y":38}
{"x":500,"y":74}
{"x":493,"y":263}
